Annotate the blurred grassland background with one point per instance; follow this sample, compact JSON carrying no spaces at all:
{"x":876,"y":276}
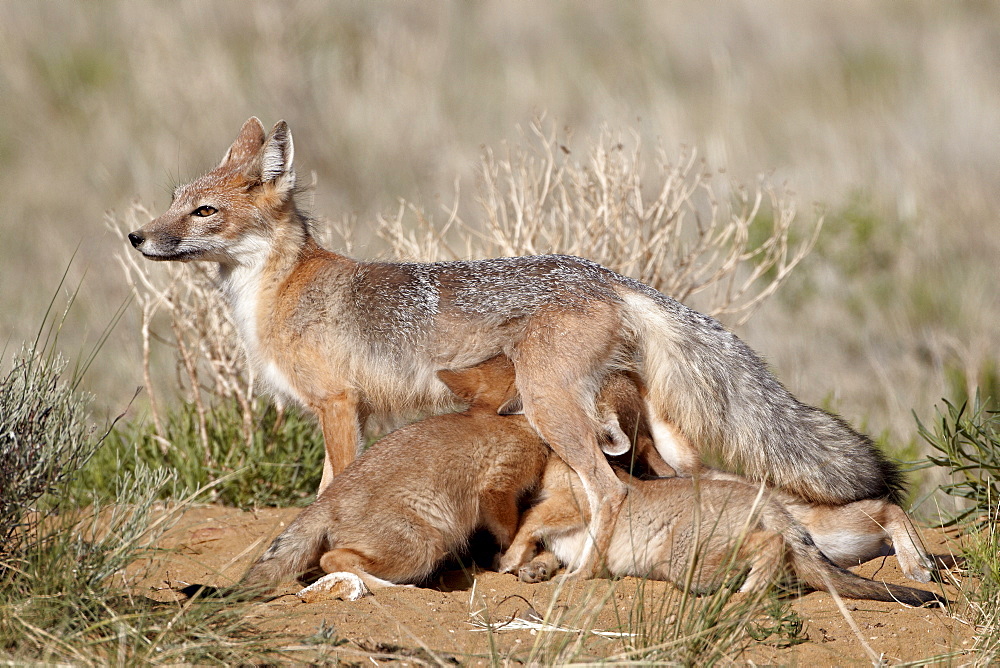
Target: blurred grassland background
{"x":887,"y":114}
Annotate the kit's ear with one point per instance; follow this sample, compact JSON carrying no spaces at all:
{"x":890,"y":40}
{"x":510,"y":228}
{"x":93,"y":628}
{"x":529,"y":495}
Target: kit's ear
{"x":513,"y":406}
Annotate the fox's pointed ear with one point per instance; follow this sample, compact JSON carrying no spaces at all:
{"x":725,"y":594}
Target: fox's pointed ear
{"x":466,"y":384}
{"x":276,"y":157}
{"x":247,"y":144}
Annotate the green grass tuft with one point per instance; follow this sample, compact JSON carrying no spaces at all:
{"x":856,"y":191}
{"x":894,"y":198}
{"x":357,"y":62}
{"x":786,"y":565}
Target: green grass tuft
{"x":69,"y":594}
{"x":69,"y":557}
{"x":279,"y":465}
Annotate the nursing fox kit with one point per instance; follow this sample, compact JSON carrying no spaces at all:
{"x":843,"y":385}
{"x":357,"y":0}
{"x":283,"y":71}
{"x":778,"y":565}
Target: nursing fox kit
{"x":416,"y":496}
{"x":349,"y":339}
{"x":723,"y":526}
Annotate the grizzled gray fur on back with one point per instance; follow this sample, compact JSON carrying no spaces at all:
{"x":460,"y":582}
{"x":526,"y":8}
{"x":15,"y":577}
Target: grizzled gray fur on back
{"x":717,"y":388}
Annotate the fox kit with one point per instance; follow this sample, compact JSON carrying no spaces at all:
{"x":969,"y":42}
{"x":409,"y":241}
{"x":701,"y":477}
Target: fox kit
{"x":417,"y":495}
{"x":667,"y":522}
{"x":348,"y":339}
{"x":848,"y":534}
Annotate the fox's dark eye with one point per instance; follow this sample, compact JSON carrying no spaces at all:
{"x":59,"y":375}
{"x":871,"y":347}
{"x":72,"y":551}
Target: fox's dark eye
{"x":203,"y":211}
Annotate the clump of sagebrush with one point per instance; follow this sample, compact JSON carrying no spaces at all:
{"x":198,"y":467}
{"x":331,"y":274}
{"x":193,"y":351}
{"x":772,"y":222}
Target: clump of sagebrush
{"x":72,"y":594}
{"x":45,"y":435}
{"x":68,"y":570}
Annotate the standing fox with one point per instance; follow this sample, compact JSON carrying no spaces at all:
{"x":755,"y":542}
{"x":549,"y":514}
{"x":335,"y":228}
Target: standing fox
{"x":348,"y":339}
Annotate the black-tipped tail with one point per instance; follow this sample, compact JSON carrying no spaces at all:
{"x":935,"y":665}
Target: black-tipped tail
{"x":295,"y":552}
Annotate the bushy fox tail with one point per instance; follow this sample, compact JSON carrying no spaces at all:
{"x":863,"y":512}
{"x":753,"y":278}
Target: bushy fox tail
{"x":296,"y":551}
{"x":813,"y":568}
{"x":720,"y":395}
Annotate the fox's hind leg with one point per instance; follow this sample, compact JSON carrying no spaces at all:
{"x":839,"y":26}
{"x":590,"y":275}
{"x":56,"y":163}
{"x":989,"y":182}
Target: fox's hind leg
{"x":560,"y":365}
{"x":913,"y":560}
{"x":674,"y":447}
{"x":765,"y":551}
{"x":342,"y":585}
{"x":348,"y":577}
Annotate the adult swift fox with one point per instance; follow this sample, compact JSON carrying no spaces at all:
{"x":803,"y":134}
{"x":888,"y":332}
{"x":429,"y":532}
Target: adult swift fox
{"x":725,"y":525}
{"x":416,"y":496}
{"x":348,"y":339}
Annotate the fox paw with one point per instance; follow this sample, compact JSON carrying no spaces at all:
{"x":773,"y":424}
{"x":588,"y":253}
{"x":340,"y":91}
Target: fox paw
{"x":344,"y":586}
{"x":535,"y":571}
{"x":511,"y":560}
{"x":916,"y":565}
{"x":916,"y":572}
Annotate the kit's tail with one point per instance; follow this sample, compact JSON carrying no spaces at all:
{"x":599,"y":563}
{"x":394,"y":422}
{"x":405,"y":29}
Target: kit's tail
{"x":296,"y":551}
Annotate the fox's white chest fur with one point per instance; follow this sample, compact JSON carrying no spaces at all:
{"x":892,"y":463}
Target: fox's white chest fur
{"x":242,"y":288}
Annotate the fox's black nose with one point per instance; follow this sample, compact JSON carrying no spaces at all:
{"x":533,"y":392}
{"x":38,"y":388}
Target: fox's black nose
{"x":136,"y":238}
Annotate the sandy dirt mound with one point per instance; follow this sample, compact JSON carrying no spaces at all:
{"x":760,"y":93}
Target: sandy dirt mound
{"x":445,"y":624}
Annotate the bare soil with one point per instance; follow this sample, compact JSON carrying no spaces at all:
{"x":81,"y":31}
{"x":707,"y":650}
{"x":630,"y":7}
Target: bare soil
{"x":445,"y":623}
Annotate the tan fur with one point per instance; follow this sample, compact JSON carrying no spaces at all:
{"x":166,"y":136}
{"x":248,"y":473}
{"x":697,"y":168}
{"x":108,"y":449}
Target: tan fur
{"x":857,"y":532}
{"x":417,"y":495}
{"x":849,"y":534}
{"x":728,"y":526}
{"x":348,"y":339}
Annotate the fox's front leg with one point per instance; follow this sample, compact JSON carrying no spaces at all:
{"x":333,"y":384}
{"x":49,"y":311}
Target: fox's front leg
{"x":558,"y":513}
{"x":340,"y":418}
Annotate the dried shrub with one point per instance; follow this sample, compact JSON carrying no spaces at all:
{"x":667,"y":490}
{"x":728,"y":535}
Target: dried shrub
{"x":181,"y":308}
{"x":671,"y":224}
